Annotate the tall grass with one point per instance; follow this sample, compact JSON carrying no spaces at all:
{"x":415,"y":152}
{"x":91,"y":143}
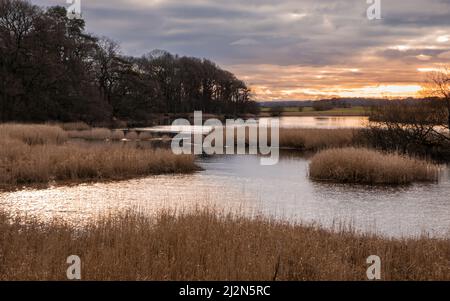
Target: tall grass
{"x":132,"y":135}
{"x":92,"y":134}
{"x":316,"y":139}
{"x":106,"y":134}
{"x":308,"y":139}
{"x":33,"y":134}
{"x":207,"y":245}
{"x":359,"y":165}
{"x":27,"y":164}
{"x":117,"y":135}
{"x":145,"y":136}
{"x":31,"y":154}
{"x":75,"y":126}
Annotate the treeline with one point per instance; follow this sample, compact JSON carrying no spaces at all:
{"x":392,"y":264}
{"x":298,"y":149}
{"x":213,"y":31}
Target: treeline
{"x":51,"y":69}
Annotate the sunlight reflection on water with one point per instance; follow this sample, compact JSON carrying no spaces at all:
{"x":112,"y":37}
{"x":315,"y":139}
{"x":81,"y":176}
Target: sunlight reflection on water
{"x":240,"y":183}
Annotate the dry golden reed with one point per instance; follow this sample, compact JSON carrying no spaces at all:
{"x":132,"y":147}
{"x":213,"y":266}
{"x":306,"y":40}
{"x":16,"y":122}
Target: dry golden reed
{"x":33,"y":134}
{"x":132,"y":135}
{"x":106,"y":134}
{"x":75,"y":126}
{"x":25,"y":164}
{"x":308,"y":139}
{"x":365,"y":166}
{"x":316,"y":139}
{"x":92,"y":134}
{"x":38,"y":154}
{"x":207,"y":245}
{"x":145,"y":136}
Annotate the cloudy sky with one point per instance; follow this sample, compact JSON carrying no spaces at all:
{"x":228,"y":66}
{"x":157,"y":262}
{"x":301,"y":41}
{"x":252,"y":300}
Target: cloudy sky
{"x":288,"y":49}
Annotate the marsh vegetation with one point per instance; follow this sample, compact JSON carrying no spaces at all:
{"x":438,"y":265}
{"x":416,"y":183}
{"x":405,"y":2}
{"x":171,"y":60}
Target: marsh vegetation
{"x":39,"y":154}
{"x":317,"y":139}
{"x":208,"y":244}
{"x":365,"y":166}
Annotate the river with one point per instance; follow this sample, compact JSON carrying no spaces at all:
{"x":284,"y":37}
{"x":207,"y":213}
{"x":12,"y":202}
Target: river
{"x":240,"y":183}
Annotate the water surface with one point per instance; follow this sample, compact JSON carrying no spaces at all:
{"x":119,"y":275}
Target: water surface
{"x":320,"y":122}
{"x":241,"y":183}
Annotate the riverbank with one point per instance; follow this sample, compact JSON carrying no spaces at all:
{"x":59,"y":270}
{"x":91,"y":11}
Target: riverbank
{"x":210,"y":245}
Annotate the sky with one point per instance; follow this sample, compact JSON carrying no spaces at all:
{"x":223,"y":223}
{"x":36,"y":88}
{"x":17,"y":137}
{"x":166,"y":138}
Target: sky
{"x":288,"y":49}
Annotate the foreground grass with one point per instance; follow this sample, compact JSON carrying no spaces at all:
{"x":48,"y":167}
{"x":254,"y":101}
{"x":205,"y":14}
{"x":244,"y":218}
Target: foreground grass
{"x":365,"y":166}
{"x":31,"y":154}
{"x":206,"y":245}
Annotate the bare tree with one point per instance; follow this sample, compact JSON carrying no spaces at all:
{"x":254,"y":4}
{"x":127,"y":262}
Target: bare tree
{"x":107,"y":67}
{"x":438,"y":85}
{"x":416,"y":126}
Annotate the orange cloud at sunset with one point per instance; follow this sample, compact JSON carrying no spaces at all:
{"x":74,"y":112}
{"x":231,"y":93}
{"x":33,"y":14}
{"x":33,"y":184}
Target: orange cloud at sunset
{"x":272,"y":82}
{"x":397,"y":71}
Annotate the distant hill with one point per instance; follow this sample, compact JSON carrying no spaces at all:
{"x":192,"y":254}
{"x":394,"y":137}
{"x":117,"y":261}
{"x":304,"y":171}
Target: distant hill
{"x":335,"y":102}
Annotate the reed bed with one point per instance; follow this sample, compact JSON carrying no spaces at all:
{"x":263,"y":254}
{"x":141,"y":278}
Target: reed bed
{"x":117,"y":135}
{"x":365,"y":166}
{"x":210,"y":245}
{"x":22,"y":164}
{"x":317,"y":139}
{"x":75,"y":126}
{"x":39,"y":154}
{"x":106,"y":134}
{"x":91,"y":134}
{"x":33,"y":134}
{"x":145,"y":136}
{"x":132,"y":135}
{"x":306,"y":139}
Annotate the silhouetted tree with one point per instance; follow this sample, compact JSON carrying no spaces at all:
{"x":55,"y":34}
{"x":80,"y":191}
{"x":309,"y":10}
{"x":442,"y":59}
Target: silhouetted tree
{"x":439,"y":86}
{"x":51,"y":69}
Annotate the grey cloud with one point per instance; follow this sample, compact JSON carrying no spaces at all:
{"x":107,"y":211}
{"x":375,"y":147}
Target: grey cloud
{"x":283,"y":32}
